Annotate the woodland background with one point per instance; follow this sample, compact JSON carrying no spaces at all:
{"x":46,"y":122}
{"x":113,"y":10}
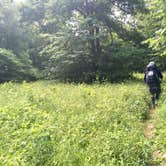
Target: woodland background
{"x":80,"y":40}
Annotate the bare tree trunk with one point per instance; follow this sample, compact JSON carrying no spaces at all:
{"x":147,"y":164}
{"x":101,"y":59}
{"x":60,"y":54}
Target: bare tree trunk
{"x":92,"y":41}
{"x":98,"y":47}
{"x":95,"y":47}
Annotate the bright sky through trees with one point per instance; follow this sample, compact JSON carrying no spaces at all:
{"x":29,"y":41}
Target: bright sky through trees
{"x":77,"y":40}
{"x":19,"y":0}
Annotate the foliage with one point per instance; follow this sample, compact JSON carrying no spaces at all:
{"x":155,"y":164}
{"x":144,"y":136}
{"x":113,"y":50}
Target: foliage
{"x":155,"y":24}
{"x":44,"y":123}
{"x":15,"y":61}
{"x":70,"y":60}
{"x":159,"y":121}
{"x":12,"y":36}
{"x":82,"y":40}
{"x":76,"y":47}
{"x":14,"y":68}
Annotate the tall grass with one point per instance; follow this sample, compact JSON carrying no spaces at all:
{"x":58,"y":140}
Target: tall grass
{"x":48,"y":124}
{"x":159,"y":142}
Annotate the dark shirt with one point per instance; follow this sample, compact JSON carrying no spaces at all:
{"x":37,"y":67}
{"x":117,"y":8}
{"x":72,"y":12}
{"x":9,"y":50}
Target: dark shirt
{"x":153,"y":68}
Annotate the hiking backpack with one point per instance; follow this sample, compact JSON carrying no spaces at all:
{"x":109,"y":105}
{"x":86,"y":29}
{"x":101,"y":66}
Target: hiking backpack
{"x":152,"y":77}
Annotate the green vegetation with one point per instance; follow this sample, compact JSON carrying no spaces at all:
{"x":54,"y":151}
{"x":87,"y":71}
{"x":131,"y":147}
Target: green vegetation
{"x":155,"y":23}
{"x":48,"y":123}
{"x":81,"y":40}
{"x":159,"y":142}
{"x":9,"y":62}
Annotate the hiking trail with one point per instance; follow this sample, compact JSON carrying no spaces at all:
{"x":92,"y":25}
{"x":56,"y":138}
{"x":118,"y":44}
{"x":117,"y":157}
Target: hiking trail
{"x":150,"y":134}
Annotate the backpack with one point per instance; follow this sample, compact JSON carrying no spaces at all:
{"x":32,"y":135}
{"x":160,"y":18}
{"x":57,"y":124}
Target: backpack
{"x":152,"y":77}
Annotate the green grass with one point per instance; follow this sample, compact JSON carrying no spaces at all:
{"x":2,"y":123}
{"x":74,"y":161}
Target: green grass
{"x":159,"y":142}
{"x":50,"y":124}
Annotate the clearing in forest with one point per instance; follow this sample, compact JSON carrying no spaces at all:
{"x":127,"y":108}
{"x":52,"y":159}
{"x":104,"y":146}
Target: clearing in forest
{"x":47,"y":123}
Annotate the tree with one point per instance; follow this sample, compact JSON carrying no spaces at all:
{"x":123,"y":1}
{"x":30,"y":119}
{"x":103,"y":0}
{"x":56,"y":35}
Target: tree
{"x":156,"y":26}
{"x":93,"y":24}
{"x":13,"y":44}
{"x":79,"y":40}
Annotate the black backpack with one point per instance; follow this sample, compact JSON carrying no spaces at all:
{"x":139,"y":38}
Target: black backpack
{"x":152,"y":77}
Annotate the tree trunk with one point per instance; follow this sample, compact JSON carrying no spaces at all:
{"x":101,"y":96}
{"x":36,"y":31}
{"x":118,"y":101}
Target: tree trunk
{"x":98,"y":48}
{"x":92,"y":41}
{"x":95,"y":47}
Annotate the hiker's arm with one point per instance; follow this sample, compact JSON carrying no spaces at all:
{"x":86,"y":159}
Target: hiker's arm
{"x":160,"y":74}
{"x":145,"y":77}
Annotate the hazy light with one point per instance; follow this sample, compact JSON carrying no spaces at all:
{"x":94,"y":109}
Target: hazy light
{"x":18,"y":0}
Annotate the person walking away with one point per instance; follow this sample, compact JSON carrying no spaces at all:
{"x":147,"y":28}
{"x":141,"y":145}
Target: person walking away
{"x":153,"y":77}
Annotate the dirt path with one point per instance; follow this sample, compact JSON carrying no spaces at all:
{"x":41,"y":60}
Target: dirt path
{"x":149,"y":127}
{"x":150,"y":134}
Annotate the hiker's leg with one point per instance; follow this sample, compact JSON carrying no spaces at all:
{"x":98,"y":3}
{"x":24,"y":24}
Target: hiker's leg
{"x":151,"y":90}
{"x":158,"y":92}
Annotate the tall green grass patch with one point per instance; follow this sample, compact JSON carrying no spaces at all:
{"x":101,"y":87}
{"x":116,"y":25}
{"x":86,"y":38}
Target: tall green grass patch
{"x":47,"y":124}
{"x":160,"y":122}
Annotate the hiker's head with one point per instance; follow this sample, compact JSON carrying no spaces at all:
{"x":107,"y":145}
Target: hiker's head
{"x":151,"y":64}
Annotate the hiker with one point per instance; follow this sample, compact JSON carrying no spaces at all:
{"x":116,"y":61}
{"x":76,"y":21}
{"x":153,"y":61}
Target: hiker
{"x":153,"y":77}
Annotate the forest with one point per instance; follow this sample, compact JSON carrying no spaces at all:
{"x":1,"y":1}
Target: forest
{"x":72,"y":90}
{"x":80,"y":40}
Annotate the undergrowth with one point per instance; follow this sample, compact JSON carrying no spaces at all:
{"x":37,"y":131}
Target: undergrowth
{"x":48,"y":124}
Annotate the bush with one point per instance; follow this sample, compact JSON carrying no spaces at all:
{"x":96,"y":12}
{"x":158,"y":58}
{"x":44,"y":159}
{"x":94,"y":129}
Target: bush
{"x":115,"y":63}
{"x":44,"y":123}
{"x":13,"y":67}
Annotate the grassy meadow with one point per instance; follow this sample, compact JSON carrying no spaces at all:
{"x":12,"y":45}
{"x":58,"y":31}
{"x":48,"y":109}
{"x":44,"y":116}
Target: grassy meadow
{"x":54,"y":124}
{"x":159,"y":120}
